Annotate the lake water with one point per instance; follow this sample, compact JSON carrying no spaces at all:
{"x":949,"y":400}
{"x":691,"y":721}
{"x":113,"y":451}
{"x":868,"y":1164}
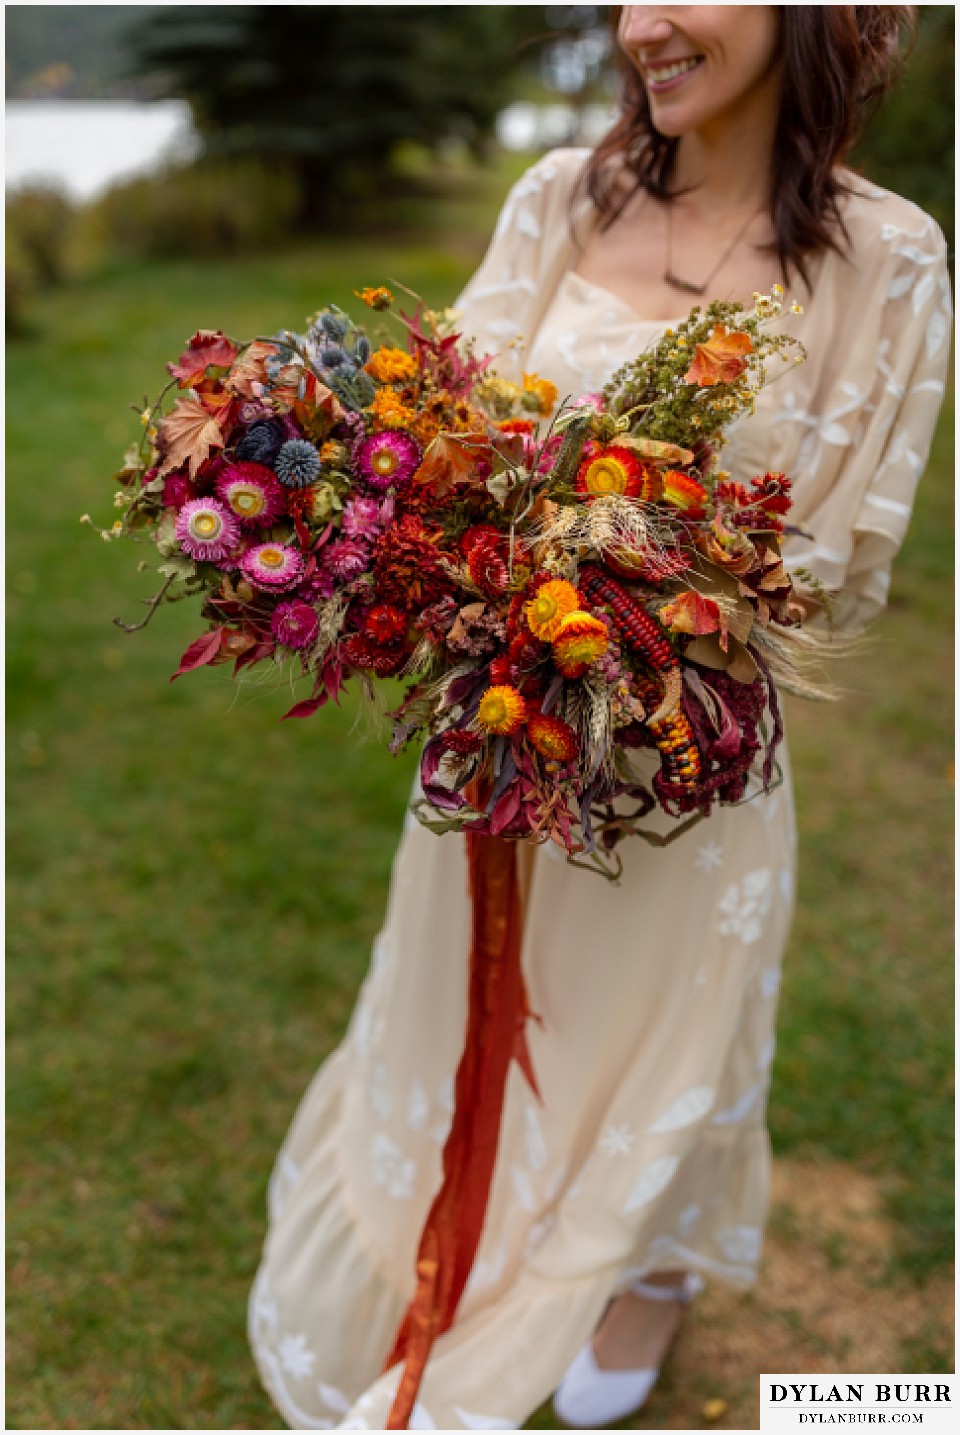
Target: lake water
{"x":84,"y":145}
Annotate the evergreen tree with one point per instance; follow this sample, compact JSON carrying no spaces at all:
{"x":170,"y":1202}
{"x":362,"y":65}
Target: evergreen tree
{"x":332,"y":90}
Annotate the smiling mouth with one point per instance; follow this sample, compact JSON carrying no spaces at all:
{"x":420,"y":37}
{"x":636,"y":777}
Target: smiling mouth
{"x":662,"y":74}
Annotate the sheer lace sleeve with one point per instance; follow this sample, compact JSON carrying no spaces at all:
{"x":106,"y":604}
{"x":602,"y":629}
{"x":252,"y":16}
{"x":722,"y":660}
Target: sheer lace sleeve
{"x":879,"y":347}
{"x":532,"y":245}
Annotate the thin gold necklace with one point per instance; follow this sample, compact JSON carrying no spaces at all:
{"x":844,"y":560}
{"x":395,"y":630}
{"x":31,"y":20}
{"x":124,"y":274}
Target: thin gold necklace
{"x":686,"y":285}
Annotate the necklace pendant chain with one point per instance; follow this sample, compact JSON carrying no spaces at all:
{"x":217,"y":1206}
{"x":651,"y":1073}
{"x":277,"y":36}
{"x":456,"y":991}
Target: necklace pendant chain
{"x":684,"y":285}
{"x":687,"y":286}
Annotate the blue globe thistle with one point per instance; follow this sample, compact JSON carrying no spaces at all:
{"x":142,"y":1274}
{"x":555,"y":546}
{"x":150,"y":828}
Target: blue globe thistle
{"x":297,"y":464}
{"x":262,"y":442}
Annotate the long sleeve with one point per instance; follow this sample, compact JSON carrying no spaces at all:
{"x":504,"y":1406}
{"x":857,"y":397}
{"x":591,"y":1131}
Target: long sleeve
{"x":856,"y":434}
{"x":532,"y":245}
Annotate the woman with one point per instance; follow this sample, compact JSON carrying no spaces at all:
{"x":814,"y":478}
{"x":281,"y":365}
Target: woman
{"x":648,"y":1161}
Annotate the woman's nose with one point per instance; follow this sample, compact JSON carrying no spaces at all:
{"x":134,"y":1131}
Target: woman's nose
{"x":644,"y":26}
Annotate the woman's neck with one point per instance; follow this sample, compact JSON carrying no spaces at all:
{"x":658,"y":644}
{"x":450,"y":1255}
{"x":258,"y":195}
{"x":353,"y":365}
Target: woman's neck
{"x":727,"y":164}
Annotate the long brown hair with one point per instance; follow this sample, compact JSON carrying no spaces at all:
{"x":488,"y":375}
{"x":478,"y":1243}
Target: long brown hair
{"x":837,"y":61}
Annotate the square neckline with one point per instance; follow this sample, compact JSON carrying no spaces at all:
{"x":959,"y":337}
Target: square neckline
{"x":608,"y":294}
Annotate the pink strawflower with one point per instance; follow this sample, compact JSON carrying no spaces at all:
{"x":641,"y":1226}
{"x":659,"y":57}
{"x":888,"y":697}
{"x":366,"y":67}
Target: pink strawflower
{"x":252,"y":493}
{"x":361,"y":518}
{"x":388,"y":459}
{"x":347,"y":558}
{"x":294,"y":624}
{"x":272,"y":566}
{"x":206,"y":530}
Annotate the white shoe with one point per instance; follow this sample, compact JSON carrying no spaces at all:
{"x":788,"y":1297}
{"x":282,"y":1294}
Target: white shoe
{"x":589,"y":1398}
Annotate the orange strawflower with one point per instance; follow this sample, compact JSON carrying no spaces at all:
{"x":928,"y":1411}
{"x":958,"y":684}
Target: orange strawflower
{"x":552,"y":737}
{"x":684,"y":492}
{"x":582,"y":639}
{"x":545,"y":393}
{"x":389,"y":412}
{"x":547,"y":610}
{"x":391,"y":366}
{"x":375,"y":298}
{"x":502,"y":710}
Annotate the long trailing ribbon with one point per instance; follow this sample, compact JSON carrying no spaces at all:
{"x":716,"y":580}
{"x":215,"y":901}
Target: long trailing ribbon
{"x":496,"y":1035}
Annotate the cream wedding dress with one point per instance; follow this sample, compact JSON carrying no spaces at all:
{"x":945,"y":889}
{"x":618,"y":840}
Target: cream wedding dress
{"x":657,"y":996}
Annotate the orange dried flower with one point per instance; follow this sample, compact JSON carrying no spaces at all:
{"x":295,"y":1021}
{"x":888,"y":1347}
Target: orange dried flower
{"x":552,"y":737}
{"x":545,"y":393}
{"x":613,"y":468}
{"x":581,"y":640}
{"x":388,"y":412}
{"x":547,"y":610}
{"x":684,"y":492}
{"x":502,"y":710}
{"x":391,"y":366}
{"x":375,"y":298}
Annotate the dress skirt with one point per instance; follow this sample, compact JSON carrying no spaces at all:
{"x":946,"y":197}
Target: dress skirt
{"x":657,"y":1001}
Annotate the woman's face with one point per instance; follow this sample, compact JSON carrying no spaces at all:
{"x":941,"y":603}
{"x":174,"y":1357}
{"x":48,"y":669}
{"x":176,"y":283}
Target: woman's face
{"x":701,"y":62}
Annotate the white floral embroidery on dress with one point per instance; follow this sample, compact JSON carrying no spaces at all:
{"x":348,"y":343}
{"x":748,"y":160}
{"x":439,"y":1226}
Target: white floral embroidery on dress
{"x":381,"y":1098}
{"x":709,"y":856}
{"x":523,"y":1187}
{"x":553,"y":1183}
{"x":653,"y":1179}
{"x":740,"y":1243}
{"x":487,"y":1271}
{"x":687,"y":1219}
{"x":769,"y":981}
{"x":616,"y":1141}
{"x":418,"y":1105}
{"x":391,"y":1168}
{"x":744,"y":906}
{"x":295,"y":1358}
{"x":334,"y":1398}
{"x":741,"y":1108}
{"x":537,"y":1234}
{"x":535,"y":1141}
{"x":687,"y":1109}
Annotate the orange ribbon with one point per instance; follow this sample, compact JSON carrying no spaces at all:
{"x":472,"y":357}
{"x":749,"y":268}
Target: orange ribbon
{"x":496,"y":1034}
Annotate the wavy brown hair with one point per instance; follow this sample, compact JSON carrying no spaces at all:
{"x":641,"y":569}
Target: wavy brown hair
{"x":838,"y":61}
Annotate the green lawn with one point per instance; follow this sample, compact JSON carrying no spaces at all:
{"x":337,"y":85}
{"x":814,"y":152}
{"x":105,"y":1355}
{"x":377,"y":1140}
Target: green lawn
{"x":194,"y":887}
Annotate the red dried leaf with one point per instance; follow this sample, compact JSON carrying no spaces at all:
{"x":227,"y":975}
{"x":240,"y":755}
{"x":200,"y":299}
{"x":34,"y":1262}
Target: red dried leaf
{"x":689,"y":613}
{"x":201,"y":651}
{"x":208,"y":348}
{"x":307,"y":708}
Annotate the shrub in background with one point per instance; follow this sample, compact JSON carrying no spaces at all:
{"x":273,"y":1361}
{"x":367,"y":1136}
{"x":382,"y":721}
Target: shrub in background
{"x":40,"y":248}
{"x":208,"y":209}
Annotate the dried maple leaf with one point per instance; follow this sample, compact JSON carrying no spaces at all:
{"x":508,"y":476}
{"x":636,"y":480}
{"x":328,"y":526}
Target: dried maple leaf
{"x":454,"y":458}
{"x":187,"y":435}
{"x":248,"y":375}
{"x":720,"y":360}
{"x":208,"y":348}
